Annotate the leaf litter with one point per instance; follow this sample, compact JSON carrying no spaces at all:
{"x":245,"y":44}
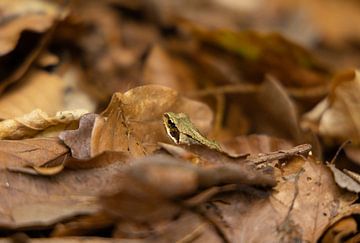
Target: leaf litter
{"x":158,"y":121}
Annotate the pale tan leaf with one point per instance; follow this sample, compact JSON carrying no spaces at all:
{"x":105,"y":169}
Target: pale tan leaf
{"x":343,"y":180}
{"x":37,"y":90}
{"x":35,"y":122}
{"x":20,"y":15}
{"x":338,"y":117}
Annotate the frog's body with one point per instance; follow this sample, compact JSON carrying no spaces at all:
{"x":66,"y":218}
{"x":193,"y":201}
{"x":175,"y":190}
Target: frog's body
{"x":182,"y":131}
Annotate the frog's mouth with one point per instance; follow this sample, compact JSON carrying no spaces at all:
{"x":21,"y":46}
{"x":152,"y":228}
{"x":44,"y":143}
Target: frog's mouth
{"x":171,"y":129}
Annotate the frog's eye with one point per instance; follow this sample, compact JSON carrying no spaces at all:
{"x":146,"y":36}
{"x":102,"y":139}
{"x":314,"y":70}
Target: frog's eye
{"x":172,"y":130}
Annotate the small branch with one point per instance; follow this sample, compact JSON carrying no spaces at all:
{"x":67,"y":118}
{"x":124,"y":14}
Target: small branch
{"x":303,"y":149}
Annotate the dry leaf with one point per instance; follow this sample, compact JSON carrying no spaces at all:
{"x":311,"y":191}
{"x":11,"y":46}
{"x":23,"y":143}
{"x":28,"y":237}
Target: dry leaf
{"x":35,"y":122}
{"x":22,"y":28}
{"x":262,"y":54}
{"x":337,"y":117}
{"x":133,"y":121}
{"x":254,"y":144}
{"x":343,"y":180}
{"x":52,"y":168}
{"x":25,"y":97}
{"x":29,"y":201}
{"x":149,"y":198}
{"x":30,"y":152}
{"x":79,"y":140}
{"x":340,"y":230}
{"x":300,"y":207}
{"x":34,"y":15}
{"x":160,"y":68}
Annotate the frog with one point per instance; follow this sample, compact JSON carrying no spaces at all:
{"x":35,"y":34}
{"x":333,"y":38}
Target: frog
{"x":182,"y":131}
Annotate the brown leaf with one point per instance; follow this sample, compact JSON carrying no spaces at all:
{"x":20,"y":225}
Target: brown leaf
{"x":25,"y":97}
{"x":30,"y":152}
{"x":25,"y":32}
{"x":343,"y":180}
{"x":133,"y":121}
{"x":340,"y":230}
{"x":278,"y":117}
{"x":259,"y":54}
{"x":37,"y":18}
{"x":254,"y":144}
{"x":187,"y":228}
{"x":337,"y":117}
{"x":79,"y":140}
{"x":160,"y":68}
{"x":141,"y":201}
{"x":300,"y":207}
{"x":204,"y":156}
{"x":351,"y":211}
{"x":35,"y":122}
{"x":28,"y":201}
{"x":52,"y":168}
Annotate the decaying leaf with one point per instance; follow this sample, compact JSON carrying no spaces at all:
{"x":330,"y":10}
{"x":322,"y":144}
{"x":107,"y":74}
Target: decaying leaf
{"x":20,"y":17}
{"x":25,"y":97}
{"x":51,"y":168}
{"x":147,"y":169}
{"x":39,"y":201}
{"x":344,"y":180}
{"x":133,"y":121}
{"x":160,"y":68}
{"x":79,"y":140}
{"x":25,"y":31}
{"x":149,"y":198}
{"x":35,"y":122}
{"x":280,"y":116}
{"x":261,"y":54}
{"x":336,"y":117}
{"x":30,"y":152}
{"x":300,"y":207}
{"x":340,"y":230}
{"x":254,"y":144}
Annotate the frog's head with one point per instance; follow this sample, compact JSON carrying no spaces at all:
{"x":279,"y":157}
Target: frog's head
{"x":172,"y":122}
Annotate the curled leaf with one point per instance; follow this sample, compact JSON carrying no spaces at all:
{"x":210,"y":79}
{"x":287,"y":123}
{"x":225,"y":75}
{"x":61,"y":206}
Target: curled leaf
{"x":35,"y":122}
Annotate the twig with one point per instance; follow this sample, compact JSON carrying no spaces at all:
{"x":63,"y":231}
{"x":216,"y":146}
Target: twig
{"x":302,"y":149}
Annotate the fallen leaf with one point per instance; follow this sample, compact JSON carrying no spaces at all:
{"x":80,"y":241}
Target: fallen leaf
{"x":336,"y":117}
{"x":25,"y":32}
{"x":133,"y":121}
{"x":351,"y":211}
{"x":30,"y":152}
{"x":25,"y":97}
{"x":340,"y":230}
{"x":141,"y":201}
{"x":300,"y":207}
{"x":30,"y":201}
{"x":281,"y":114}
{"x":343,"y":180}
{"x":37,"y":18}
{"x":79,"y":140}
{"x":160,"y":68}
{"x":254,"y":144}
{"x":35,"y":122}
{"x":261,"y":54}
